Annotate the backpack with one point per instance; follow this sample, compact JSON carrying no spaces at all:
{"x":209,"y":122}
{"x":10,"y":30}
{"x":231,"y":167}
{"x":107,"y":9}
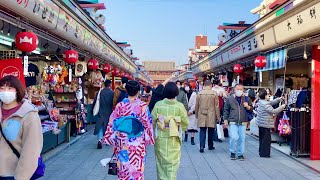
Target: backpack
{"x":123,"y":95}
{"x":250,"y":114}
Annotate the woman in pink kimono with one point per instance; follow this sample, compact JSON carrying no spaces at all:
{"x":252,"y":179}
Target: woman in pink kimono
{"x":130,"y":150}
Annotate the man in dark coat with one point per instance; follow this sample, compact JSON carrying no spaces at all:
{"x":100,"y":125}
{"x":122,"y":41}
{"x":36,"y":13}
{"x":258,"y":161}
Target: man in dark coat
{"x":105,"y":110}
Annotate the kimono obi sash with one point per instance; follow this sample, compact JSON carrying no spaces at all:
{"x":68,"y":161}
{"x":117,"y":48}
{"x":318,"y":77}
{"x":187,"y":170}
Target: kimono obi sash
{"x":169,"y":125}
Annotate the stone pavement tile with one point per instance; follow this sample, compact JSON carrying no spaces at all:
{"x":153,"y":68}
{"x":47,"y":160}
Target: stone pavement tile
{"x":109,"y":177}
{"x":207,"y":177}
{"x":312,"y":177}
{"x":92,"y":177}
{"x":243,"y":177}
{"x":258,"y":174}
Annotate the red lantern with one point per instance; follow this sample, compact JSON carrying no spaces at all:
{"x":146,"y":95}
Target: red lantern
{"x":260,"y":61}
{"x":106,"y":68}
{"x":195,"y":77}
{"x":122,"y":74}
{"x":26,"y":41}
{"x":238,"y":68}
{"x":127,"y":75}
{"x":115,"y":72}
{"x":93,"y":64}
{"x":70,"y":56}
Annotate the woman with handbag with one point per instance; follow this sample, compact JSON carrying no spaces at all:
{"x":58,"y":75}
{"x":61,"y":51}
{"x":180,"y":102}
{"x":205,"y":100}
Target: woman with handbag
{"x":265,"y":121}
{"x":170,"y":120}
{"x":130,"y":131}
{"x":21,"y":132}
{"x":193,"y":126}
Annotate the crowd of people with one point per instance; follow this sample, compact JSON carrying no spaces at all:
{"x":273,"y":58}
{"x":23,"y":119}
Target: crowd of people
{"x":167,"y":115}
{"x":129,"y":119}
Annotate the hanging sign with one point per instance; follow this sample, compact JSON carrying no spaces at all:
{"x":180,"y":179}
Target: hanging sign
{"x":25,"y":65}
{"x":301,"y":24}
{"x":12,"y":67}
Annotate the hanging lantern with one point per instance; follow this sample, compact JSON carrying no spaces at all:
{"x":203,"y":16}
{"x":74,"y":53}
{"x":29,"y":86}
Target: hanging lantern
{"x":70,"y":56}
{"x":195,"y":77}
{"x":26,"y":41}
{"x":122,"y":74}
{"x":106,"y":68}
{"x":238,"y":68}
{"x":127,"y":75}
{"x":260,"y":61}
{"x":115,"y":72}
{"x":93,"y":64}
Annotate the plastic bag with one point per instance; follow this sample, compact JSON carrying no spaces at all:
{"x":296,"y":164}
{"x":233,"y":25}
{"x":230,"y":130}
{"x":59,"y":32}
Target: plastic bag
{"x":284,"y":125}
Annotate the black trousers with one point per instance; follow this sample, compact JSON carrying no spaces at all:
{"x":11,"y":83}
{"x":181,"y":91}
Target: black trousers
{"x":203,"y":133}
{"x":264,"y":142}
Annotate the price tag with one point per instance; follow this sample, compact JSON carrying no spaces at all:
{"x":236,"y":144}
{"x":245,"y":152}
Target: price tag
{"x":70,"y":75}
{"x":25,"y":65}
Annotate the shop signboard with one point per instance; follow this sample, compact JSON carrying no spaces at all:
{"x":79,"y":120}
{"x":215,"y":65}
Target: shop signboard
{"x":303,"y":23}
{"x":254,"y":44}
{"x":43,"y":12}
{"x":14,"y":68}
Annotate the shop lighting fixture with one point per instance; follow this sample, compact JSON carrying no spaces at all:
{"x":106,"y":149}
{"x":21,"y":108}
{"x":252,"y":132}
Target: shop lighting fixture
{"x":2,"y":28}
{"x":305,"y":55}
{"x":9,"y":30}
{"x":46,"y":45}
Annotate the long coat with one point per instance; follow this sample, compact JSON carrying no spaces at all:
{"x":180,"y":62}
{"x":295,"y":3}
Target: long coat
{"x":207,"y":108}
{"x":105,"y":110}
{"x":193,"y":127}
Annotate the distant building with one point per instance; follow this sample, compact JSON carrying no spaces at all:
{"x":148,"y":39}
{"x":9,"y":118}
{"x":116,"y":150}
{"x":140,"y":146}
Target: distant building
{"x":159,"y":71}
{"x":201,"y":49}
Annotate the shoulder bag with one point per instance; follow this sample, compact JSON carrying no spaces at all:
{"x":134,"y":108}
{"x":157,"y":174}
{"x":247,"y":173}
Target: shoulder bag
{"x":97,"y":105}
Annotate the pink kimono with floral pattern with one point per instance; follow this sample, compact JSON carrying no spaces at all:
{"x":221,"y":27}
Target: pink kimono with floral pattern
{"x":130,"y":152}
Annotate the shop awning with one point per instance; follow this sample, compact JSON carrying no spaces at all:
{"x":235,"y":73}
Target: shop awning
{"x":275,"y":60}
{"x":277,"y":3}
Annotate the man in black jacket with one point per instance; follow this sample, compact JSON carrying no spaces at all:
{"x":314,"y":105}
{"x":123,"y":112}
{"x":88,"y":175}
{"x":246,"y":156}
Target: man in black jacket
{"x":105,"y":110}
{"x":235,"y":116}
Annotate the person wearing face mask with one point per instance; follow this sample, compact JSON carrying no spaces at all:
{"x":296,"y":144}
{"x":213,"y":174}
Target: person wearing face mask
{"x":235,"y":116}
{"x":20,"y":126}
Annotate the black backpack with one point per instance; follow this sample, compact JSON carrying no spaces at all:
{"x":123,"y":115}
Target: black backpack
{"x":123,"y":94}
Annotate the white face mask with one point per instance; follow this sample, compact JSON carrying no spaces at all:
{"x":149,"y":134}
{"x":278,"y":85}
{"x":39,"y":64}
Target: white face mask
{"x":239,"y":93}
{"x":187,"y":88}
{"x":8,"y":97}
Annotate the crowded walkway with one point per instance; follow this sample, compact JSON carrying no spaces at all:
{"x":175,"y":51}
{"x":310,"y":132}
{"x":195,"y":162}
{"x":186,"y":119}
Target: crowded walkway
{"x":81,"y":162}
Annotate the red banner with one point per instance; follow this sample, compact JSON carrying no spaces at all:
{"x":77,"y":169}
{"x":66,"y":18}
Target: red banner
{"x":12,"y":67}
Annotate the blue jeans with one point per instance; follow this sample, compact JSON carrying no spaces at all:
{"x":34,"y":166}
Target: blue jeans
{"x":237,"y":139}
{"x":100,"y":134}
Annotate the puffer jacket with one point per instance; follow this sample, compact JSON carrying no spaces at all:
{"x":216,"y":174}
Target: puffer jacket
{"x":265,"y":112}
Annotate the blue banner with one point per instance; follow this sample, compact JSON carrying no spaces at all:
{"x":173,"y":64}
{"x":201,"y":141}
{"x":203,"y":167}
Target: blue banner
{"x":275,"y":60}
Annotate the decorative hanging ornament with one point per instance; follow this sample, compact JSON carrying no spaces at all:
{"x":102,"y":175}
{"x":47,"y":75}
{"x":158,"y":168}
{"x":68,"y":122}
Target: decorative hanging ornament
{"x":122,"y":74}
{"x":93,"y":64}
{"x":26,"y":41}
{"x":106,"y":68}
{"x":238,"y":68}
{"x":260,"y":61}
{"x":115,"y":72}
{"x":70,"y":56}
{"x":195,"y":77}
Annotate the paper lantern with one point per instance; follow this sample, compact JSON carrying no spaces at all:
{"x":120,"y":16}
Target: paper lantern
{"x":106,"y":68}
{"x":122,"y":74}
{"x":26,"y":41}
{"x":127,"y":75}
{"x":115,"y":72}
{"x":70,"y":56}
{"x":260,"y":61}
{"x":238,"y":68}
{"x":195,"y":77}
{"x":93,"y":64}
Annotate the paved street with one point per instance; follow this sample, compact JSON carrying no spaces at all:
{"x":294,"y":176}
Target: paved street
{"x":81,"y":161}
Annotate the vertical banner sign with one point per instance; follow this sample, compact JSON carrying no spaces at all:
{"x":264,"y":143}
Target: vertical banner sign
{"x":12,"y":67}
{"x":25,"y":65}
{"x":70,"y":74}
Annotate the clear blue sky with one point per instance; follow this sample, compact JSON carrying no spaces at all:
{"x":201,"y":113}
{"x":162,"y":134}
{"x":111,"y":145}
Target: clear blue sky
{"x":165,"y":29}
